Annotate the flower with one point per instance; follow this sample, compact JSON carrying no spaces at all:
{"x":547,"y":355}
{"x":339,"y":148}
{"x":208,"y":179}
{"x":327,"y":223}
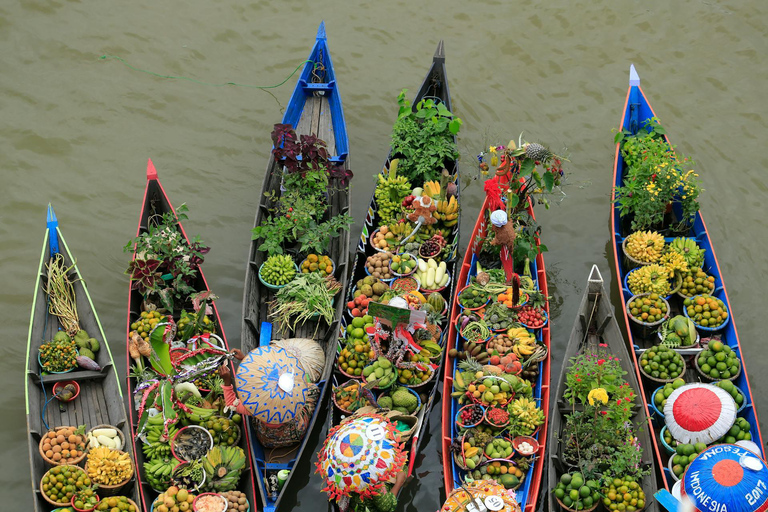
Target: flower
{"x":597,"y":394}
{"x":492,"y":149}
{"x":600,"y":362}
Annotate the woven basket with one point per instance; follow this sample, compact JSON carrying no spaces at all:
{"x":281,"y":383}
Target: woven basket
{"x":119,"y":432}
{"x":632,"y":263}
{"x":593,"y":507}
{"x":654,"y":379}
{"x":68,"y":462}
{"x":638,"y":321}
{"x":111,"y":490}
{"x":45,"y":496}
{"x":710,"y":379}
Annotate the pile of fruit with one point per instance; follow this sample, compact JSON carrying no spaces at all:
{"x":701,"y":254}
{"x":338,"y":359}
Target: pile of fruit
{"x":648,"y":308}
{"x":500,"y":344}
{"x":472,"y":297}
{"x":706,"y":311}
{"x":507,"y":363}
{"x":402,"y":264}
{"x":652,"y":278}
{"x":645,"y":246}
{"x":718,"y":361}
{"x":106,"y":466}
{"x":116,"y":503}
{"x":399,"y":399}
{"x":684,"y":455}
{"x":693,"y":254}
{"x":223,"y":466}
{"x":223,"y":430}
{"x":431,"y":274}
{"x":508,"y":474}
{"x":732,"y":390}
{"x":146,"y":322}
{"x":505,"y":298}
{"x":390,"y":192}
{"x":382,"y":371}
{"x":109,"y":437}
{"x":500,"y":318}
{"x":696,"y":282}
{"x":59,"y":354}
{"x":473,"y":455}
{"x":348,"y":397}
{"x":525,"y":416}
{"x":491,"y":391}
{"x":575,"y":493}
{"x":671,"y":441}
{"x":192,"y":318}
{"x":173,"y":497}
{"x":660,"y":397}
{"x":278,"y":270}
{"x":382,"y":238}
{"x":678,"y":331}
{"x":623,"y":494}
{"x":525,"y":342}
{"x":377,"y":265}
{"x":471,"y":414}
{"x":740,"y":431}
{"x":60,"y":483}
{"x":431,"y":248}
{"x":238,"y":502}
{"x":85,"y":499}
{"x":419,"y":374}
{"x":661,"y":362}
{"x":371,"y":287}
{"x":314,"y":263}
{"x":64,"y":445}
{"x":533,"y":318}
{"x":496,"y":417}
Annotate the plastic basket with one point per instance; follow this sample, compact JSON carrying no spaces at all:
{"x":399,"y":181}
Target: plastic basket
{"x":709,"y":329}
{"x":679,"y":282}
{"x":669,"y":449}
{"x":274,"y":286}
{"x":458,"y":296}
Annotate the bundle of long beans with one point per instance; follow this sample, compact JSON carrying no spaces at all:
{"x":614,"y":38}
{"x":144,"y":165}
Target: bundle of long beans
{"x":61,"y":294}
{"x":305,"y":297}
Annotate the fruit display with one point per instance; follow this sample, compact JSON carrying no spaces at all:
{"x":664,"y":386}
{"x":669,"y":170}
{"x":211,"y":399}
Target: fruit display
{"x":382,"y":239}
{"x":146,"y":322}
{"x":348,"y":397}
{"x":525,"y":345}
{"x":684,"y":455}
{"x":696,"y":282}
{"x":496,"y":417}
{"x":431,"y":274}
{"x":678,"y":331}
{"x":106,"y":466}
{"x":470,"y":415}
{"x":278,"y":270}
{"x":652,"y":278}
{"x":86,"y":345}
{"x":109,"y":437}
{"x":732,"y":390}
{"x":644,"y":246}
{"x":507,"y":295}
{"x":500,"y":345}
{"x":172,"y":500}
{"x":86,"y":499}
{"x":718,"y":361}
{"x":403,"y":264}
{"x":157,"y":445}
{"x":223,"y":466}
{"x":472,"y":297}
{"x":371,"y":287}
{"x":430,"y":249}
{"x":533,"y":318}
{"x":399,"y":398}
{"x":507,"y":363}
{"x":499,"y":448}
{"x":205,"y":325}
{"x":191,"y":443}
{"x":662,"y":363}
{"x":447,"y":212}
{"x":740,"y":431}
{"x":693,"y":254}
{"x":419,"y":374}
{"x":223,"y":430}
{"x":238,"y":502}
{"x":508,"y":474}
{"x":706,"y":311}
{"x":500,"y":318}
{"x":58,"y":355}
{"x":648,"y":308}
{"x":158,"y":472}
{"x":377,"y":265}
{"x":188,"y":475}
{"x":317,"y":263}
{"x":623,"y":494}
{"x":405,"y":285}
{"x":667,"y":436}
{"x":576,"y":494}
{"x":56,"y":484}
{"x":382,"y":371}
{"x":491,"y":391}
{"x":472,"y":456}
{"x":525,"y":416}
{"x":65,"y":445}
{"x":116,"y":503}
{"x":661,"y":395}
{"x":391,"y":189}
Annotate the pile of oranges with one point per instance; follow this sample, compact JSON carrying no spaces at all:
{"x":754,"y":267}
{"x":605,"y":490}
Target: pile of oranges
{"x":315,"y":263}
{"x":63,"y":445}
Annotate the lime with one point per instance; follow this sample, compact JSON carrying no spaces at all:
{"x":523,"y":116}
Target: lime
{"x":574,"y":494}
{"x":559,"y":493}
{"x":565,"y":479}
{"x":584,"y":492}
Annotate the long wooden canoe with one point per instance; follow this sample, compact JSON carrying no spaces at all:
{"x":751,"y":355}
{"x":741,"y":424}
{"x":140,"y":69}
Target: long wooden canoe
{"x":156,"y":203}
{"x":315,"y":108}
{"x":434,"y":86}
{"x":596,"y":324}
{"x":528,"y":493}
{"x":637,"y":110}
{"x":100,"y":401}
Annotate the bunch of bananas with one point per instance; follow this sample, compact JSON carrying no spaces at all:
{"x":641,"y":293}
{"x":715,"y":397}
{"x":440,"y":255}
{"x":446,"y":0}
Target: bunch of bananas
{"x":645,"y":246}
{"x":524,"y":342}
{"x":199,"y":414}
{"x":525,"y":415}
{"x":431,"y":189}
{"x":652,"y":278}
{"x":108,"y":467}
{"x":693,"y":255}
{"x":400,"y":229}
{"x":447,"y":211}
{"x":223,"y":466}
{"x":158,"y":472}
{"x":389,"y":194}
{"x":674,"y":262}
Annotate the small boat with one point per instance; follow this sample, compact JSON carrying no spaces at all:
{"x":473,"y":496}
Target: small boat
{"x":636,"y":113}
{"x":528,"y":492}
{"x":315,"y":108}
{"x":596,"y":325}
{"x":99,"y":400}
{"x":154,"y":205}
{"x":435,"y":88}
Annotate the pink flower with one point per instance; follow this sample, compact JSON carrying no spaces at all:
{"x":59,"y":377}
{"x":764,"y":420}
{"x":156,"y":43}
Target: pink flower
{"x":578,"y":380}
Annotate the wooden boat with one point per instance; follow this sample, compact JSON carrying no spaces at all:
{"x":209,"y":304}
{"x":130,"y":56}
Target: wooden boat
{"x":595,"y":324}
{"x":637,"y":110}
{"x":528,"y":493}
{"x":100,"y":401}
{"x":154,"y":204}
{"x":435,"y":87}
{"x":315,"y":108}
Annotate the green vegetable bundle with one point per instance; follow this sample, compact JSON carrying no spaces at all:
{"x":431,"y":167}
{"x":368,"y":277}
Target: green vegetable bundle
{"x":305,"y":297}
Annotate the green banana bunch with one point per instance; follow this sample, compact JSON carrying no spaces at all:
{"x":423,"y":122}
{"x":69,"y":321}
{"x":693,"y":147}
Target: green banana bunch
{"x":158,"y":472}
{"x":222,"y":466}
{"x":693,"y":255}
{"x":199,"y":414}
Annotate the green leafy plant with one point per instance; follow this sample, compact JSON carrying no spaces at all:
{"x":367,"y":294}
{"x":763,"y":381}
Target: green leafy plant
{"x":424,"y":136}
{"x":655,"y":177}
{"x":592,"y":369}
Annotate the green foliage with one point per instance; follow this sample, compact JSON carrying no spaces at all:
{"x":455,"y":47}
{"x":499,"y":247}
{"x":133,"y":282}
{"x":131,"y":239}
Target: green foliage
{"x":527,"y":235}
{"x":655,"y":176}
{"x":425,"y":138}
{"x":592,"y":369}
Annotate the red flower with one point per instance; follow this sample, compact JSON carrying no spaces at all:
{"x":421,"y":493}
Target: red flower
{"x":578,"y":380}
{"x":604,"y":412}
{"x":618,"y":402}
{"x":600,"y":362}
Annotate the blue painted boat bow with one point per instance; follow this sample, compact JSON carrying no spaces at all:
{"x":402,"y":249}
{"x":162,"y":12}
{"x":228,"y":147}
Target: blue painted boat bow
{"x":53,"y":231}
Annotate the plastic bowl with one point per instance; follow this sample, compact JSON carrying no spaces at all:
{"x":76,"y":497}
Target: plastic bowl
{"x":197,"y":498}
{"x":669,"y":449}
{"x":61,"y":384}
{"x":652,"y":403}
{"x":274,"y":286}
{"x":173,"y":441}
{"x":528,"y":439}
{"x":458,"y":297}
{"x":626,"y":284}
{"x":457,"y":418}
{"x":709,"y":329}
{"x":546,"y":321}
{"x":77,"y":351}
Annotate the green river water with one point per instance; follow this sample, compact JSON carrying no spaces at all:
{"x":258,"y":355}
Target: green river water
{"x":77,"y":131}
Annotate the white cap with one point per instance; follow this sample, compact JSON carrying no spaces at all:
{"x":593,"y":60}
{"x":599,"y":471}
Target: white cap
{"x":499,"y":218}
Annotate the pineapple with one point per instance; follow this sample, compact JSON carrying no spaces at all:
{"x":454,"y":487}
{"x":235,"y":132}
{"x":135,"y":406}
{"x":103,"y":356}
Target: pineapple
{"x":537,"y":152}
{"x":471,"y":365}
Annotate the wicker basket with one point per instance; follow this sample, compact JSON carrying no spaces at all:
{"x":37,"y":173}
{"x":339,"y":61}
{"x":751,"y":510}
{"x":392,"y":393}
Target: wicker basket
{"x":711,"y":379}
{"x":68,"y":462}
{"x":632,"y":263}
{"x":119,"y":432}
{"x":593,"y":507}
{"x":111,"y":490}
{"x":45,"y":496}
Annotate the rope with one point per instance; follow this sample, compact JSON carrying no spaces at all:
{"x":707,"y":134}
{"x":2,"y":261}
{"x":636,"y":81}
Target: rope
{"x":317,"y":67}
